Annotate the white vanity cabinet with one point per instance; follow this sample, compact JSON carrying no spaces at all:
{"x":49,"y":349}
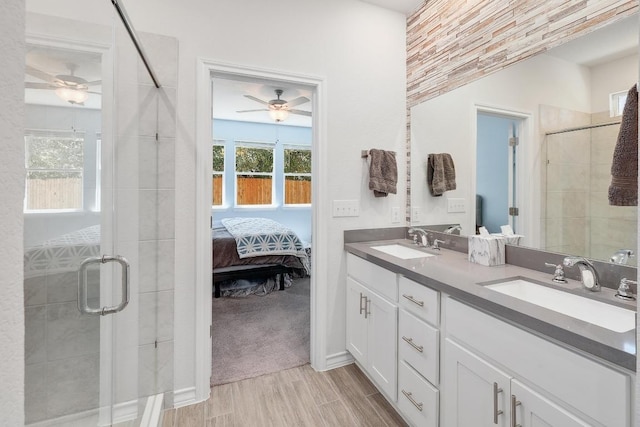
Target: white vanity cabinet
{"x":480,"y":394}
{"x":418,"y":353}
{"x":496,"y":374}
{"x":372,"y":321}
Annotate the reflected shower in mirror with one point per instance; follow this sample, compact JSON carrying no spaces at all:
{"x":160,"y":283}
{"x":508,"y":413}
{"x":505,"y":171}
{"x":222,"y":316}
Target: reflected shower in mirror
{"x":573,"y":85}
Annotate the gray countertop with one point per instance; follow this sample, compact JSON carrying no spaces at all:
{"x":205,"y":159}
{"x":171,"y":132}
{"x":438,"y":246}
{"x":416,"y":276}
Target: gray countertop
{"x":450,"y":272}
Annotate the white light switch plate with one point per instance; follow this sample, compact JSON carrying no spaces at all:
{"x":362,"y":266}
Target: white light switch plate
{"x":415,"y":215}
{"x":346,"y":208}
{"x":395,"y":214}
{"x":456,"y":205}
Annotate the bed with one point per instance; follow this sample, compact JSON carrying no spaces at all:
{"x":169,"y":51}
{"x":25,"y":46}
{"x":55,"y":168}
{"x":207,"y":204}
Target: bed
{"x":62,"y":254}
{"x":248,"y":248}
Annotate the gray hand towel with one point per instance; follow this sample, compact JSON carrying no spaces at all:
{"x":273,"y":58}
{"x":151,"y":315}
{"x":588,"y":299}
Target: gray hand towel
{"x":383,"y":172}
{"x":441,"y":173}
{"x":623,"y":190}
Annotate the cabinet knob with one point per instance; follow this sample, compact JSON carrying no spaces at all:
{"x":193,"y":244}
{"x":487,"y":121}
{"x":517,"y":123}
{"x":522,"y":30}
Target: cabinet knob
{"x":514,"y":403}
{"x":409,"y":396}
{"x":496,"y":411}
{"x":412,"y":344}
{"x":413,"y":300}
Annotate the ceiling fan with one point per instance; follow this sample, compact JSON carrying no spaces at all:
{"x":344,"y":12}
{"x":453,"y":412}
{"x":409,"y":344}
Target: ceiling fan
{"x":68,"y":87}
{"x":279,"y":109}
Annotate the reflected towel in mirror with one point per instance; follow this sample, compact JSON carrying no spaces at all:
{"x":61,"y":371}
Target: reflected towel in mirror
{"x":441,"y":173}
{"x":623,"y":190}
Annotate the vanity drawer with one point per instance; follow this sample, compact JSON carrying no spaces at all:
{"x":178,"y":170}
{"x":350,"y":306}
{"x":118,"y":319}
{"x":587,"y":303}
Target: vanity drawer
{"x":419,"y":300}
{"x":417,"y":399}
{"x":376,"y":278}
{"x":418,"y":345}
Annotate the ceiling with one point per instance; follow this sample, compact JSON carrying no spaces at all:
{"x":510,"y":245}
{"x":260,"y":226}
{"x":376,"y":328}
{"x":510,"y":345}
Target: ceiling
{"x":606,"y":44}
{"x":403,"y":6}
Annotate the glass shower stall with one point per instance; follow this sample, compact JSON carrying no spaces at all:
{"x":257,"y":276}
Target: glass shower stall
{"x":98,"y":278}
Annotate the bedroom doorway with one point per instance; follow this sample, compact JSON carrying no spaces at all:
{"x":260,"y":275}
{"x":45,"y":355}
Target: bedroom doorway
{"x":262,"y":154}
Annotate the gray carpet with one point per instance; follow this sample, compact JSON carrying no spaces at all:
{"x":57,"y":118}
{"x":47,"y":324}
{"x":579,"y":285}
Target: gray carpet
{"x":257,"y":335}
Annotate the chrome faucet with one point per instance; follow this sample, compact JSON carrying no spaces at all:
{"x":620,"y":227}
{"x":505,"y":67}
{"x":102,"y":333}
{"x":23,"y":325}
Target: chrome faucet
{"x":451,"y":229}
{"x":588,"y":274}
{"x":621,"y":256}
{"x":424,"y":237}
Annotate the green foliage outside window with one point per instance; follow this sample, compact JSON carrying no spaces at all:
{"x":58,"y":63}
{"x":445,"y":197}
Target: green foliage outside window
{"x":253,"y":159}
{"x":218,"y":158}
{"x":297,"y":161}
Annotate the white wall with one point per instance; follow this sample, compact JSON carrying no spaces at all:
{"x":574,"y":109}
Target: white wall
{"x":448,"y":124}
{"x":359,"y":50}
{"x":12,"y":52}
{"x":614,"y":76}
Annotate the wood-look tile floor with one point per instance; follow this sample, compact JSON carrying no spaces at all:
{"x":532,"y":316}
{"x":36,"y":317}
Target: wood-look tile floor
{"x":294,"y":397}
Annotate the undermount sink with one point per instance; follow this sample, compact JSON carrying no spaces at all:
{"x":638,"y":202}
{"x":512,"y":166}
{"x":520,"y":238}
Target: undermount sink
{"x":598,"y":313}
{"x":400,"y":251}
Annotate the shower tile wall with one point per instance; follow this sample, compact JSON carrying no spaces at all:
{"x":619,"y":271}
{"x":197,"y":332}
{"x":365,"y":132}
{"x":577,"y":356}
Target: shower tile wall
{"x":578,"y":218}
{"x":147,"y":187}
{"x":566,"y":206}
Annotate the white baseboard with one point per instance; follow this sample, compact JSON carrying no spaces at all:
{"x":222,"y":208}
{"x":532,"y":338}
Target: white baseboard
{"x":120,"y":412}
{"x":184,"y":397}
{"x":337,"y":360}
{"x":125,"y":411}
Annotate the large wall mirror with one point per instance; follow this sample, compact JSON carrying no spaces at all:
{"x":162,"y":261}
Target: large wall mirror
{"x":561,"y":109}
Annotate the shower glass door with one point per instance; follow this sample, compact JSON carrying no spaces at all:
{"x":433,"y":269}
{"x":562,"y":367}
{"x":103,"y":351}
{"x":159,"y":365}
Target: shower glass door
{"x":80,"y":259}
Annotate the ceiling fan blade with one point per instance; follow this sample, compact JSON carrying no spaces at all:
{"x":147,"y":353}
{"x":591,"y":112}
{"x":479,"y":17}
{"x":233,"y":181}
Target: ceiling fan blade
{"x":251,"y":111}
{"x":95,"y":93}
{"x":94,"y":83}
{"x":256,"y":99}
{"x":299,"y":100}
{"x":301,"y":112}
{"x":34,"y":85}
{"x":38,"y":74}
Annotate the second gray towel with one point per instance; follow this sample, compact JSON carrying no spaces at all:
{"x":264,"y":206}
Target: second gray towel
{"x":623,"y":190}
{"x":441,"y":173}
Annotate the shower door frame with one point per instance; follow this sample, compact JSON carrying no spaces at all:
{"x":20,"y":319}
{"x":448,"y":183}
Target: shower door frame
{"x":107,"y":412}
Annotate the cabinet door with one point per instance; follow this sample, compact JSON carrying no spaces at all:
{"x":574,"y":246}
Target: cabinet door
{"x":535,"y":410}
{"x":382,"y":354}
{"x":356,"y":322}
{"x":475,"y":393}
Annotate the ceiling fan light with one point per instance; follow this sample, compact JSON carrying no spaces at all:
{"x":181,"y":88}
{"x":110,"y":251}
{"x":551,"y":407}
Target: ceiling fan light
{"x":279,"y":114}
{"x":72,"y":96}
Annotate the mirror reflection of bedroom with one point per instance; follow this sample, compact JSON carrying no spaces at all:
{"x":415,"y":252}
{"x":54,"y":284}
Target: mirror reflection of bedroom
{"x":261,"y":227}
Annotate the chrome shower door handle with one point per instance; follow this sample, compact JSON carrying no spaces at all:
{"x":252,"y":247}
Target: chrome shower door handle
{"x":83,"y":303}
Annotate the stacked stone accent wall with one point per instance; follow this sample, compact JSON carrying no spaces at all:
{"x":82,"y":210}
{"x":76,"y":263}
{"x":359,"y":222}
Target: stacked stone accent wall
{"x":453,"y":42}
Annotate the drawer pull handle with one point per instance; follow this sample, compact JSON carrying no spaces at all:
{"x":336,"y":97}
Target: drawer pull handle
{"x":361,"y":302}
{"x":413,"y":300}
{"x":412,"y":344}
{"x":410,"y":397}
{"x":514,"y":404}
{"x":367,"y":311}
{"x":496,"y":411}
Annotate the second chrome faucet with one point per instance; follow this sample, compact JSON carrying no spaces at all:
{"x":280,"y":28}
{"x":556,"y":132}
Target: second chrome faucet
{"x":588,"y":274}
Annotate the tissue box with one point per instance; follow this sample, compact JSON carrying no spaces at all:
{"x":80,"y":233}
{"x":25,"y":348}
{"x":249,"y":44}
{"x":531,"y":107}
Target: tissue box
{"x":486,"y":250}
{"x":510,"y":239}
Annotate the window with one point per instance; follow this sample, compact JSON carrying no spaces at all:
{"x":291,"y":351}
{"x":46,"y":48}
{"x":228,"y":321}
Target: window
{"x":218,"y":172}
{"x":55,"y":167}
{"x":297,"y":175}
{"x":616,"y":103}
{"x":254,"y":174}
